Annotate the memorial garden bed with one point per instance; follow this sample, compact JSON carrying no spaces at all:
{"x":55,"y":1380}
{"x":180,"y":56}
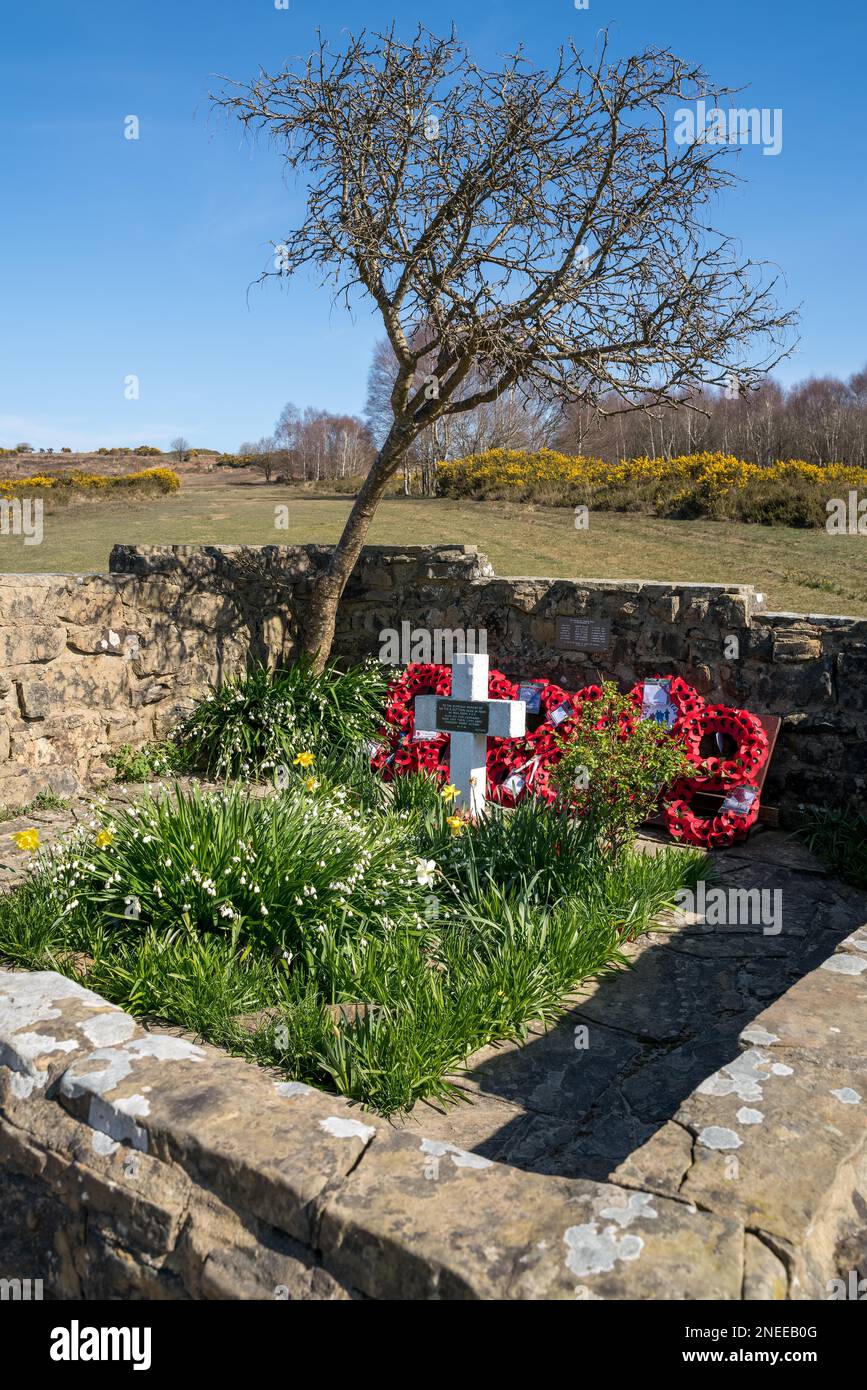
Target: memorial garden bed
{"x":246,"y":919}
{"x":357,"y":934}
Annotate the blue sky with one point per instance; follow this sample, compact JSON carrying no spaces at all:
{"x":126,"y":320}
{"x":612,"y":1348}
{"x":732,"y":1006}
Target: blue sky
{"x":128,"y":257}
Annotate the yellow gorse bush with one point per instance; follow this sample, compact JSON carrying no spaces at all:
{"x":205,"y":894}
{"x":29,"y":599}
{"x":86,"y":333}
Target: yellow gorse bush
{"x":166,"y":480}
{"x":721,"y":471}
{"x":788,"y":492}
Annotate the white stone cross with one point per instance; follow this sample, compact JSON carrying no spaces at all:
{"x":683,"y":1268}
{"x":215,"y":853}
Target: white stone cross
{"x":470,"y":719}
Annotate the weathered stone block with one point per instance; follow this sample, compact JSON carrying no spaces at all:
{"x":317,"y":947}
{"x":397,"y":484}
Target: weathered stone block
{"x":796,"y":647}
{"x":34,"y":699}
{"x":30,"y":644}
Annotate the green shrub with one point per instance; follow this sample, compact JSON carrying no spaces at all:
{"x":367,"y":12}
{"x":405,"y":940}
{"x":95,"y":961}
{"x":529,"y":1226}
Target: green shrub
{"x":613,"y":767}
{"x":533,"y":854}
{"x":719,"y":486}
{"x":253,"y":724}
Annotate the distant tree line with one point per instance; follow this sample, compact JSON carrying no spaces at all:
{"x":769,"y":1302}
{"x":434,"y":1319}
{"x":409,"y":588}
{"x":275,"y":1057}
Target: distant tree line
{"x":821,"y":420}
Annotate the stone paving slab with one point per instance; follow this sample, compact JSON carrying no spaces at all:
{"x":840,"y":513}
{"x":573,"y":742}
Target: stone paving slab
{"x":655,"y":1031}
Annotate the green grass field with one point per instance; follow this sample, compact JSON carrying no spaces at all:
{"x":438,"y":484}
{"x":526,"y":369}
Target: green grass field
{"x":802,"y":571}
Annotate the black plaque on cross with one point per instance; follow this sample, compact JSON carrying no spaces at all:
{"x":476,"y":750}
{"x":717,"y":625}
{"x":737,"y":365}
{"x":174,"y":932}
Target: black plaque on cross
{"x":462,"y":717}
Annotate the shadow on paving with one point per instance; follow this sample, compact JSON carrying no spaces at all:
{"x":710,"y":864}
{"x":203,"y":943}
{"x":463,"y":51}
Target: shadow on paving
{"x":580,"y":1100}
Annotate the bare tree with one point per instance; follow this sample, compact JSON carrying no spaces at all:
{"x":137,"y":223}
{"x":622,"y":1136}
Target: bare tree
{"x":319,"y":445}
{"x":264,"y":454}
{"x":543,"y":227}
{"x":287,"y":432}
{"x":180,"y":447}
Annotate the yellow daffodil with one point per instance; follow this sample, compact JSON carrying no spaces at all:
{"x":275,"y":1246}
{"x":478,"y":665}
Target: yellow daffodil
{"x":449,"y":792}
{"x":26,"y":839}
{"x":104,"y":838}
{"x":456,"y":824}
{"x":311,"y":784}
{"x":304,"y":760}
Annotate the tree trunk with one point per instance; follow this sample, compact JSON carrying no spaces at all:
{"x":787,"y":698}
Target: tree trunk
{"x":329,"y":584}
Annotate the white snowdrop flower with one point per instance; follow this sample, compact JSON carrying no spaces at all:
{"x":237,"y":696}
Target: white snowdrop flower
{"x":424,"y":871}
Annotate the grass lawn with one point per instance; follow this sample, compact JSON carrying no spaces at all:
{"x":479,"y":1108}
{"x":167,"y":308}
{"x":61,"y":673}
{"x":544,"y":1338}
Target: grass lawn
{"x":797,"y":570}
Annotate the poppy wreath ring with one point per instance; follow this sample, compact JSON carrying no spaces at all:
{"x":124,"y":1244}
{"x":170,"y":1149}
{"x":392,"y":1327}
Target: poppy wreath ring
{"x":720,"y":770}
{"x":708,"y":831}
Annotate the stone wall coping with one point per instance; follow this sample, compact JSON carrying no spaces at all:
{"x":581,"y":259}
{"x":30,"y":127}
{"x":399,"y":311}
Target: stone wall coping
{"x":841,"y":620}
{"x":122,"y":555}
{"x":125,"y":557}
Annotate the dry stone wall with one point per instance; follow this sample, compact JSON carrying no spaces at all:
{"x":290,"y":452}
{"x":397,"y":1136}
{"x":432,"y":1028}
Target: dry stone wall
{"x":88,"y":663}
